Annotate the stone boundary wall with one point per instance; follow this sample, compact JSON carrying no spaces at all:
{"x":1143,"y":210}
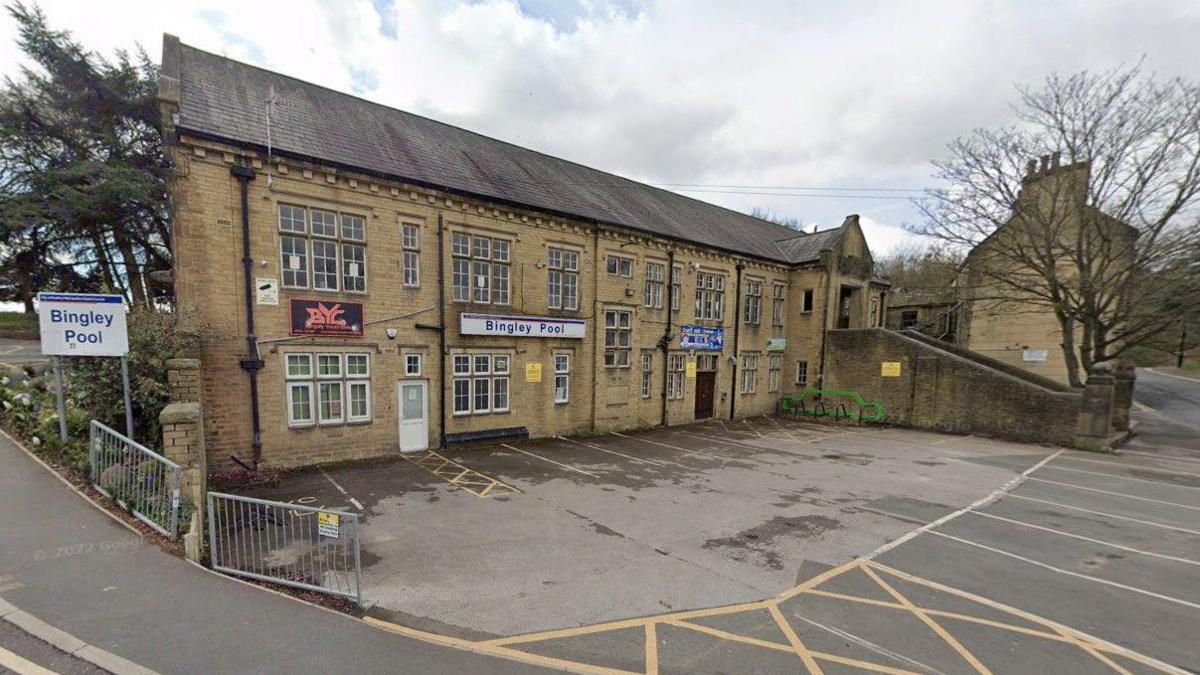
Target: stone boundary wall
{"x":182,"y":423}
{"x":941,"y":390}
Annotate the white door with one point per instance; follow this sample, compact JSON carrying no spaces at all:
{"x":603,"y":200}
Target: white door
{"x":414,"y":415}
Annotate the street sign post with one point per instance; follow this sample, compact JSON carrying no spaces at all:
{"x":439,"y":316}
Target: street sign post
{"x":84,"y":324}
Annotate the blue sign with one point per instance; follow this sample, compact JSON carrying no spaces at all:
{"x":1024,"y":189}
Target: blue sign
{"x":701,"y":337}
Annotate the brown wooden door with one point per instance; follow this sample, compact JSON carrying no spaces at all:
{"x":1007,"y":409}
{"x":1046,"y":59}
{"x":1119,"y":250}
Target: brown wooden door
{"x":706,"y":385}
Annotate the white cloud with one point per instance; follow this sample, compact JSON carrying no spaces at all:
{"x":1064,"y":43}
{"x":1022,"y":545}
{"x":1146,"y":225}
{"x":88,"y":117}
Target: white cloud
{"x":749,"y":93}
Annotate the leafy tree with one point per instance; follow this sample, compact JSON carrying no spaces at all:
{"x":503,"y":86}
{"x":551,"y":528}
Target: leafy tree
{"x":83,"y":199}
{"x":1097,"y":242}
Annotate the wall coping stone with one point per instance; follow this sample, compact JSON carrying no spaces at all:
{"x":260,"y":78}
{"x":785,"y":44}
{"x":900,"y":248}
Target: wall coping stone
{"x":183,"y":364}
{"x":181,"y":412}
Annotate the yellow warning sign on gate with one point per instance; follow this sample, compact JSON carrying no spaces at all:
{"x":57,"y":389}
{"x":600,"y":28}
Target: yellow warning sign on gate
{"x":327,"y":524}
{"x":890,"y":369}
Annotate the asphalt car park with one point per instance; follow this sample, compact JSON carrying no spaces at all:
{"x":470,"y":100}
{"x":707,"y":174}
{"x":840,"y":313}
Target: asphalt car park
{"x":752,"y":546}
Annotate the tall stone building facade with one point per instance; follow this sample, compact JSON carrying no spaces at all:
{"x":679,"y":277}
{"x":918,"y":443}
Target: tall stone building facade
{"x":366,"y":281}
{"x":1008,"y":306}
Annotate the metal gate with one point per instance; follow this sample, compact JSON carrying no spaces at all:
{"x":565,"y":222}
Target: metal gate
{"x":311,"y":548}
{"x":140,"y":480}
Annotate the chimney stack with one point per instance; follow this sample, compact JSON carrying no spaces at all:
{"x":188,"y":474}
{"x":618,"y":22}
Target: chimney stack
{"x":1055,"y":159}
{"x":1045,"y":163}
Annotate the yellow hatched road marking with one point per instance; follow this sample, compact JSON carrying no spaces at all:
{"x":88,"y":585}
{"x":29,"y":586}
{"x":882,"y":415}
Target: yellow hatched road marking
{"x":460,"y":476}
{"x":805,"y":655}
{"x":651,"y":649}
{"x":929,"y":621}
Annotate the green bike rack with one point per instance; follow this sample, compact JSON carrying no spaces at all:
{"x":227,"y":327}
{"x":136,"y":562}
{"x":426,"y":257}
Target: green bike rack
{"x":796,"y":405}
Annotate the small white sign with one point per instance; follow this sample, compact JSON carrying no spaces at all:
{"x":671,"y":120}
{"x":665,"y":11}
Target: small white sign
{"x":522,"y":326}
{"x":82,"y":324}
{"x":268,"y":290}
{"x":1034,"y":355}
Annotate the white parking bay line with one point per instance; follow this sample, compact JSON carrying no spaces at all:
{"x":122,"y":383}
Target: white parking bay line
{"x":1080,"y":537}
{"x":1113,"y":475}
{"x":1115,"y":494}
{"x":341,"y":490}
{"x":611,"y":452}
{"x":1103,"y":513}
{"x":18,"y":664}
{"x":977,"y":504}
{"x":565,"y":466}
{"x":1071,"y":573}
{"x":1149,"y":469}
{"x":674,"y":447}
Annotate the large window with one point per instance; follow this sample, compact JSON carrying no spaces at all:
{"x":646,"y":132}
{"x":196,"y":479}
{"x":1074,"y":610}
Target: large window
{"x":753,"y":309}
{"x":778,"y":304}
{"x":874,"y":314}
{"x":618,"y":337}
{"x":647,"y":373}
{"x":710,"y":296}
{"x":411,"y":262}
{"x":481,"y":269}
{"x":774,"y":367}
{"x":653,"y":295}
{"x":562,"y":279}
{"x":327,"y":388}
{"x":562,"y":378}
{"x":749,"y":373}
{"x":908,"y":319}
{"x":480,"y":383}
{"x":322,"y":249}
{"x":675,"y":367}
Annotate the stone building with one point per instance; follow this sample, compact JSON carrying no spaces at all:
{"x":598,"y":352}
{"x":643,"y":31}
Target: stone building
{"x":366,"y":279}
{"x":1006,"y":306}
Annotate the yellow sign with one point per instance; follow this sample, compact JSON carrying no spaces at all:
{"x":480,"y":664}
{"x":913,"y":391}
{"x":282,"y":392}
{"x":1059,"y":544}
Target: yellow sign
{"x":890,"y":369}
{"x":533,"y":372}
{"x":327,"y":524}
{"x":691,"y":369}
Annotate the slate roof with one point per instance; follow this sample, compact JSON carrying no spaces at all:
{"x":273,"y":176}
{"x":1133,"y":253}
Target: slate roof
{"x":807,"y":248}
{"x":223,"y":99}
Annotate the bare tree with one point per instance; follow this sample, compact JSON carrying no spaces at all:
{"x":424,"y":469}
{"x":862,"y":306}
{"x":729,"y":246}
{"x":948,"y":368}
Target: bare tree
{"x":1097,"y":239}
{"x":767,"y":214}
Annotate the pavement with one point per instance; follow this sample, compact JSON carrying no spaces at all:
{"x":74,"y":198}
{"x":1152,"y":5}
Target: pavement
{"x":17,"y":353}
{"x":76,"y":569}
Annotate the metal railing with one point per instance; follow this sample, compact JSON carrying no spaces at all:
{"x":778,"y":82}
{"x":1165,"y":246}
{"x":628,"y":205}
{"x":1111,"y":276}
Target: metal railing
{"x":301,"y":546}
{"x":140,"y":480}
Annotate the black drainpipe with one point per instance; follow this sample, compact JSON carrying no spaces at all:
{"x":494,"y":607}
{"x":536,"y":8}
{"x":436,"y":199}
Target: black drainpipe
{"x":442,"y":336}
{"x":737,"y":324}
{"x":666,"y":338}
{"x":252,"y":363}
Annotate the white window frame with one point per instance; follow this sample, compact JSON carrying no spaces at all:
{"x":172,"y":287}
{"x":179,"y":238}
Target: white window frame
{"x":752,"y":312}
{"x":408,"y":370}
{"x":802,"y":372}
{"x":774,"y":370}
{"x":466,"y":371}
{"x":485,"y":267}
{"x":749,"y":374}
{"x":778,"y":303}
{"x":676,"y":287}
{"x":300,"y":381}
{"x":561,"y":275}
{"x":410,"y":258}
{"x":652,"y":295}
{"x":676,"y":366}
{"x":618,"y":265}
{"x":647,"y":374}
{"x":342,"y":240}
{"x":617,"y":354}
{"x":710,"y":296}
{"x":562,"y":371}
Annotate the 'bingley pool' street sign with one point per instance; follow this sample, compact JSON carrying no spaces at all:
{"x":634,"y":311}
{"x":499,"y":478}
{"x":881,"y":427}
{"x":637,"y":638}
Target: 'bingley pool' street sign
{"x":78,"y":324}
{"x":84,"y":324}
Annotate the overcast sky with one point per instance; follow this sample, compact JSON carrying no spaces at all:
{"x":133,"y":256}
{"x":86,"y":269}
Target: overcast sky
{"x":854,"y":99}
